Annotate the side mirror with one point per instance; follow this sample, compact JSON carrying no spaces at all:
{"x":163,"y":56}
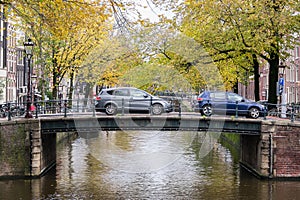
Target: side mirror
{"x":243,"y":100}
{"x":145,"y":95}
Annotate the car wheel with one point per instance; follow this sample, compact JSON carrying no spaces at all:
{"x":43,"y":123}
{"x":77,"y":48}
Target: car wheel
{"x":157,"y":109}
{"x":206,"y":110}
{"x":254,"y":113}
{"x":111,"y":109}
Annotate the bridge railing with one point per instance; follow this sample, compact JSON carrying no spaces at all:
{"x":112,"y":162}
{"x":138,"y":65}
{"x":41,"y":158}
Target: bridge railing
{"x":64,"y":107}
{"x":48,"y":107}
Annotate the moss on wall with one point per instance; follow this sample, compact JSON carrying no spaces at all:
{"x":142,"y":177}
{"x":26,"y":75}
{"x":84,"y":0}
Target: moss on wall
{"x":14,"y":152}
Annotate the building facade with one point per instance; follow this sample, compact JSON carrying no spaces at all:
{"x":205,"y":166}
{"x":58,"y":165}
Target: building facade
{"x":12,"y":70}
{"x":291,"y":74}
{"x":3,"y":68}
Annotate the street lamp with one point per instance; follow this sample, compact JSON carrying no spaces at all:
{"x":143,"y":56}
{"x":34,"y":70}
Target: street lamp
{"x":28,"y":48}
{"x":281,"y":90}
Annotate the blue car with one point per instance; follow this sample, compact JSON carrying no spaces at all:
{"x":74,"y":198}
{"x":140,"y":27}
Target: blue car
{"x":228,"y":103}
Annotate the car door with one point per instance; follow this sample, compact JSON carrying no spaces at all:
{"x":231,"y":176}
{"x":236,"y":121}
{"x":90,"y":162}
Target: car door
{"x":122,"y":97}
{"x":235,"y":101}
{"x":139,"y":100}
{"x":218,"y":102}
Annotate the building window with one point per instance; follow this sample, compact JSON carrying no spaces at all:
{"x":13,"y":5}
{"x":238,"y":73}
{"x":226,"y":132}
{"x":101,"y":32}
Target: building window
{"x":297,"y":52}
{"x":288,"y":92}
{"x":20,"y":58}
{"x":292,"y":74}
{"x":297,"y":95}
{"x":297,"y":73}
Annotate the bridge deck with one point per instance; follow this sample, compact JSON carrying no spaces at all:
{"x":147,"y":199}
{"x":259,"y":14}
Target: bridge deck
{"x":147,"y":122}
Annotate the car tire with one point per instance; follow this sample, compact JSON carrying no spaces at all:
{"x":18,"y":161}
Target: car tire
{"x":111,"y":109}
{"x":206,"y":110}
{"x":157,"y":109}
{"x":254,"y":113}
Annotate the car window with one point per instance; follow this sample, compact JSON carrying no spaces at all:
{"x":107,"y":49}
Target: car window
{"x":110,"y":92}
{"x":137,"y":93}
{"x":121,"y":92}
{"x":218,"y":96}
{"x":234,"y":97}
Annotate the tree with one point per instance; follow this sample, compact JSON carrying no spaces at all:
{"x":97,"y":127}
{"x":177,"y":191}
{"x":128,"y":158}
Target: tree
{"x":64,"y":31}
{"x":108,"y":62}
{"x":161,"y":44}
{"x":238,"y":33}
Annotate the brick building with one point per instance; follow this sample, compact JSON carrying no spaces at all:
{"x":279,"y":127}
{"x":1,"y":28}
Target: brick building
{"x":291,"y":75}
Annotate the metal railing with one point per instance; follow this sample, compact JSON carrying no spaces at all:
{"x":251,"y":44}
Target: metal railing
{"x":48,"y":107}
{"x":66,"y":107}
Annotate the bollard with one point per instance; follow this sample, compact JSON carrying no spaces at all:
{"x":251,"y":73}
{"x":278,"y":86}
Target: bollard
{"x":236,"y":109}
{"x":179,"y":110}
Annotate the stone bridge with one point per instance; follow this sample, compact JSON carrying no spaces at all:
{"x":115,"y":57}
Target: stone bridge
{"x":268,"y":148}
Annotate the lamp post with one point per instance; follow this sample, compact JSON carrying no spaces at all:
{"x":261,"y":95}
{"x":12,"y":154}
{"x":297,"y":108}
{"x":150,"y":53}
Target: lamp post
{"x":33,"y":94}
{"x":281,"y":90}
{"x":28,"y":48}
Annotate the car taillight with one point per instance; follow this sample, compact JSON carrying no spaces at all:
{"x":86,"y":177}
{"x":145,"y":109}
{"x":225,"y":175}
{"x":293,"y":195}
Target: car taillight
{"x":199,"y":99}
{"x":98,"y":98}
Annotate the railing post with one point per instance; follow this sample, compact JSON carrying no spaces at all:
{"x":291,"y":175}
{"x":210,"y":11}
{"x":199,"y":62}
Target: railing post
{"x":122,"y":106}
{"x":236,"y":109}
{"x":293,"y":113}
{"x":77,"y":105}
{"x":65,"y":110}
{"x":179,"y":110}
{"x":8,"y":112}
{"x":265,"y":111}
{"x":151,"y":109}
{"x":36,"y":109}
{"x":93,"y":104}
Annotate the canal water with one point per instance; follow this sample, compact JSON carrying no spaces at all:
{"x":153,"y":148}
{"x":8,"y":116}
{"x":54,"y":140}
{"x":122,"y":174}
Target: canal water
{"x":148,"y":165}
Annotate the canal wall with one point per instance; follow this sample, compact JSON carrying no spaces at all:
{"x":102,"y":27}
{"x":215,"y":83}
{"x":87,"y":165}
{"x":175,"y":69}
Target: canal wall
{"x":24,"y":151}
{"x":275,"y":153}
{"x":14,"y":149}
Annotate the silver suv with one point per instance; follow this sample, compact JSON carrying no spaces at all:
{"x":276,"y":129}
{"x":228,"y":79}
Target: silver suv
{"x":129,"y":99}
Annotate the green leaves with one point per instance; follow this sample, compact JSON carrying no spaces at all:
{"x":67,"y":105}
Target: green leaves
{"x":231,"y":30}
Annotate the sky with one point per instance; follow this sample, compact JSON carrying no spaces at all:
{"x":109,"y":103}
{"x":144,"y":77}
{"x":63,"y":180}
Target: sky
{"x":151,"y":12}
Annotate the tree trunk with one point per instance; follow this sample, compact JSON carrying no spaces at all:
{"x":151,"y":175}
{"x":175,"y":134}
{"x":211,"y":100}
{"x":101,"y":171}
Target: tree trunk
{"x":87,"y":93}
{"x":273,"y":78}
{"x":236,"y":87}
{"x":54,"y":86}
{"x":256,"y":77}
{"x":71,"y":86}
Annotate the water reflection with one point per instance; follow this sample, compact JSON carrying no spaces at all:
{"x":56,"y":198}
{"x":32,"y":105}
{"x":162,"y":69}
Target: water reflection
{"x":147,"y":165}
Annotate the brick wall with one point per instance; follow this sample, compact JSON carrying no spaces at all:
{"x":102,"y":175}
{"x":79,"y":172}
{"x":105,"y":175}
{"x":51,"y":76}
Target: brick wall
{"x":275,"y":153}
{"x":286,"y":144}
